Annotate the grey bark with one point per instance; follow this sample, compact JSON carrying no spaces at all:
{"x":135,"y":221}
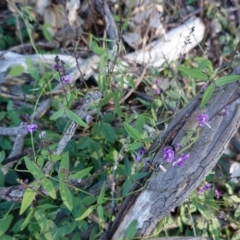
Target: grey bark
{"x":165,"y":191}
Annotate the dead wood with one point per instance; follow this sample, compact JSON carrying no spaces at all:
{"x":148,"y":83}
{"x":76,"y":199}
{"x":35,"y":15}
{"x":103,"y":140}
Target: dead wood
{"x":165,"y":191}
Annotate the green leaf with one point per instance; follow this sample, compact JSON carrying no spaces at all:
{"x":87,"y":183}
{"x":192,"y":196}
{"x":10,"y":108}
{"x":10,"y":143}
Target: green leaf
{"x":101,"y":195}
{"x":173,"y":94}
{"x":207,"y":95}
{"x":126,"y":187}
{"x":105,"y":100}
{"x":84,"y":142}
{"x":27,"y":219}
{"x":81,"y":174}
{"x":235,"y":199}
{"x":203,"y":64}
{"x":33,"y":71}
{"x":42,"y":220}
{"x":52,"y":229}
{"x":64,"y":165}
{"x":2,"y":115}
{"x":215,"y":229}
{"x":5,"y":224}
{"x":66,"y":195}
{"x":227,"y":79}
{"x":46,"y":31}
{"x":108,"y":132}
{"x":40,"y":161}
{"x":237,"y":213}
{"x":132,"y":229}
{"x":116,"y":96}
{"x":48,"y":186}
{"x":2,"y":155}
{"x":28,"y":198}
{"x":55,"y":157}
{"x":139,"y":175}
{"x":16,"y":71}
{"x":193,"y":73}
{"x":100,"y":213}
{"x":99,"y":50}
{"x":74,"y":117}
{"x":88,"y":200}
{"x":127,"y":167}
{"x":133,"y":146}
{"x":203,"y":209}
{"x":140,"y":123}
{"x":33,"y":168}
{"x":86,"y":213}
{"x":132,"y":132}
{"x":57,"y":114}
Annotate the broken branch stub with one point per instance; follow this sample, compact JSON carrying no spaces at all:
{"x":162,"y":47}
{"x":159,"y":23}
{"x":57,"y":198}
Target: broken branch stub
{"x":164,"y":191}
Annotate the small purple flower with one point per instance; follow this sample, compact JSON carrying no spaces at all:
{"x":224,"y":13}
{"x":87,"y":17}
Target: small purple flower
{"x":177,"y":147}
{"x":66,"y":79}
{"x":42,"y":135}
{"x":88,"y":118}
{"x":168,"y":154}
{"x":224,"y":111}
{"x":157,"y":91}
{"x":180,"y":161}
{"x":203,"y":119}
{"x":32,"y":128}
{"x":206,"y":186}
{"x":200,"y":190}
{"x":141,"y":151}
{"x":137,"y":158}
{"x":218,"y":194}
{"x":185,"y":156}
{"x":56,"y":67}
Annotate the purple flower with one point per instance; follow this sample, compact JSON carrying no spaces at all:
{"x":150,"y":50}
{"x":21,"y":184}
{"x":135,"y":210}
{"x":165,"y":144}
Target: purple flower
{"x":32,"y":128}
{"x":157,"y":90}
{"x":177,"y":147}
{"x":224,"y":111}
{"x":56,"y":67}
{"x":203,"y":119}
{"x":168,"y":154}
{"x":206,"y":186}
{"x":180,"y":161}
{"x":200,"y":190}
{"x":88,"y":118}
{"x":137,"y":157}
{"x":141,"y":151}
{"x":66,"y":79}
{"x":218,"y":194}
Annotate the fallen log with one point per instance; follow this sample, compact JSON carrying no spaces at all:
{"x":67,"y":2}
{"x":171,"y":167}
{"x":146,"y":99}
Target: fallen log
{"x":163,"y":191}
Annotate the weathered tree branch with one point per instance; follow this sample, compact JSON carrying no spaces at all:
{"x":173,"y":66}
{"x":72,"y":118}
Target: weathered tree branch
{"x":165,"y":191}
